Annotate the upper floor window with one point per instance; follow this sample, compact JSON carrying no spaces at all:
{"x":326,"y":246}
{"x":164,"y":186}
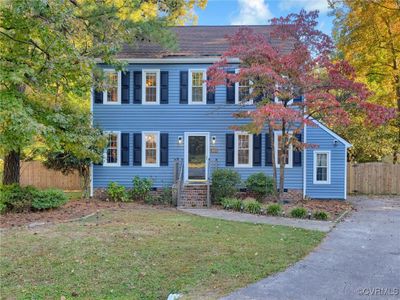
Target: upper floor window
{"x":112,"y":94}
{"x":197,"y":87}
{"x":322,"y":167}
{"x":243,"y":90}
{"x":111,"y":155}
{"x":151,"y":82}
{"x":151,"y":142}
{"x":278,"y":151}
{"x":243,"y":149}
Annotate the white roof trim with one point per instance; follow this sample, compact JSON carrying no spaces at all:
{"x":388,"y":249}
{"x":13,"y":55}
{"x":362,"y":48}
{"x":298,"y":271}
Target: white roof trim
{"x":181,"y":60}
{"x":340,"y":139}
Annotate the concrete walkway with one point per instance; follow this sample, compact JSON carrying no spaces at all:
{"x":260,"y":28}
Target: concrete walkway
{"x":324,"y":226}
{"x":359,"y":259}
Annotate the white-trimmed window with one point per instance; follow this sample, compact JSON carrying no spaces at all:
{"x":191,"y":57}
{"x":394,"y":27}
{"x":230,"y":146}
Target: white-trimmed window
{"x":197,"y":86}
{"x":112,"y":94}
{"x":151,"y":86}
{"x":151,"y":148}
{"x":112,"y":152}
{"x":322,"y":167}
{"x":243,"y":149}
{"x":242,"y":91}
{"x":278,"y":150}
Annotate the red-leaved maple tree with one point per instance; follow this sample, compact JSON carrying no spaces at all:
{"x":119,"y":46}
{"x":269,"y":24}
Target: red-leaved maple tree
{"x":292,"y":61}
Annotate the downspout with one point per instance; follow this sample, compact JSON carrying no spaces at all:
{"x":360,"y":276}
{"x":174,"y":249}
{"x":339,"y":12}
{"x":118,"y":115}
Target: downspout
{"x":305,"y":163}
{"x":91,"y":123}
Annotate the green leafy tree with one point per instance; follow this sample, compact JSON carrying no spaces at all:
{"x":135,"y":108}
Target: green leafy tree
{"x":49,"y":51}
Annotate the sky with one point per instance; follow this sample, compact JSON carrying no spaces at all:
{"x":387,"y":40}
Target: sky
{"x":258,"y":12}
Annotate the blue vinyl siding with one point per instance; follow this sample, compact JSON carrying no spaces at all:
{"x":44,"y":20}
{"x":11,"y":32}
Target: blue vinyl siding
{"x":176,"y":119}
{"x":334,"y":190}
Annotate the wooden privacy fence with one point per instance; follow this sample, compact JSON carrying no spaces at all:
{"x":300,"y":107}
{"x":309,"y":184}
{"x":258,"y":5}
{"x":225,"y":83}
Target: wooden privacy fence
{"x":373,"y":178}
{"x":34,"y":173}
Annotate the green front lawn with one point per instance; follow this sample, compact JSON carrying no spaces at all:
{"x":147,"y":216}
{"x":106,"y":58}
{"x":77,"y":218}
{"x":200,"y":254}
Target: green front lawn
{"x":144,"y":253}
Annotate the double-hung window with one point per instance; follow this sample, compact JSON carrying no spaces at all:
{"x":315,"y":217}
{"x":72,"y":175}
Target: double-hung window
{"x":151,"y":148}
{"x":112,"y":93}
{"x":151,"y":84}
{"x":243,"y":91}
{"x":243,"y":149}
{"x":322,"y":162}
{"x":279,"y":151}
{"x":112,"y":151}
{"x":197,"y":87}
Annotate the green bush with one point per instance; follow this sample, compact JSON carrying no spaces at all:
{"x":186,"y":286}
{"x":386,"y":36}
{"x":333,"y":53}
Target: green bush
{"x":19,"y":199}
{"x":260,"y":184}
{"x":46,"y":199}
{"x":16,"y":198}
{"x":117,"y":192}
{"x":237,"y":204}
{"x":274,"y":209}
{"x":321,"y":215}
{"x":252,"y":206}
{"x":141,"y":188}
{"x":298,"y":212}
{"x":166,"y":197}
{"x":224,"y":184}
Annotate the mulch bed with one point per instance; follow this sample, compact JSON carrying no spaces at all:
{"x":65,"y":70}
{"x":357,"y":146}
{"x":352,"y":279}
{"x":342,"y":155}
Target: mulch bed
{"x":72,"y":210}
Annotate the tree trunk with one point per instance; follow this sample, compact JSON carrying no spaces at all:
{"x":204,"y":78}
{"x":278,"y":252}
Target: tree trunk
{"x":85,"y":175}
{"x":282,"y":161}
{"x":11,"y":167}
{"x":397,"y":121}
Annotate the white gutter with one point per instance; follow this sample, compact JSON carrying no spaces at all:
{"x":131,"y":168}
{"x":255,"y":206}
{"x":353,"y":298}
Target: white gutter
{"x":176,"y":60}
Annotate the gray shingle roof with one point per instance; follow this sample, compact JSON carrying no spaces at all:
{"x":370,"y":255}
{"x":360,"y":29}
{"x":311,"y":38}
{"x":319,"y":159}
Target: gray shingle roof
{"x":193,"y":41}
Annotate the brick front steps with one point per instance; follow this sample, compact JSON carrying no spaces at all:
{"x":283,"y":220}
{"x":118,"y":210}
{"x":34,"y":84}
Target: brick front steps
{"x":194,"y":195}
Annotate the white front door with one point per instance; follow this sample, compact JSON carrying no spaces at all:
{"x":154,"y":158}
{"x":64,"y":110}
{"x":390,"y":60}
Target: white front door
{"x":196,"y":156}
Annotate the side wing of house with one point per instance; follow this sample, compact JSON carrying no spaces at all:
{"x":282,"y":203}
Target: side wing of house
{"x":326,"y":165}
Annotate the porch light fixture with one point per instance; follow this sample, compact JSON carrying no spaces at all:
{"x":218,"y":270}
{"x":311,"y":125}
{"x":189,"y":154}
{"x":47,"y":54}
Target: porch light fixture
{"x":213,"y":139}
{"x":335,"y":142}
{"x":180,"y":140}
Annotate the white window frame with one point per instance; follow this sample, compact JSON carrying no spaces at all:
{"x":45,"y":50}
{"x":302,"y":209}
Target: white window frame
{"x":105,"y":96}
{"x":157,"y":163}
{"x":204,"y":100}
{"x":290,"y":150}
{"x":250,"y":164}
{"x":328,"y":160}
{"x":144,"y":72}
{"x":237,"y":85}
{"x":118,"y":163}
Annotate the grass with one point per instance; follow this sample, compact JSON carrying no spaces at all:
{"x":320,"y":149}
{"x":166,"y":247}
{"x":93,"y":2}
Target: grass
{"x":145,"y":254}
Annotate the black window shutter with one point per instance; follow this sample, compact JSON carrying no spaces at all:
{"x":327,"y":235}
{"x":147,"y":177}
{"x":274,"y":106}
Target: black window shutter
{"x":257,"y":149}
{"x":137,"y":149}
{"x":137,"y":87}
{"x":230,"y":149}
{"x":98,"y":97}
{"x":164,"y":149}
{"x":268,"y":150}
{"x":125,"y":78}
{"x":164,"y":87}
{"x":230,"y":91}
{"x":297,"y":154}
{"x":210,"y":96}
{"x":184,"y":89}
{"x":125,"y":149}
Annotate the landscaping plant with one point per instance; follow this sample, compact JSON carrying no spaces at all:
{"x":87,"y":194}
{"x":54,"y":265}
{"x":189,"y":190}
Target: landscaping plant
{"x":321,"y":215}
{"x":51,"y":198}
{"x":224,"y":184}
{"x":117,"y":192}
{"x":274,"y":209}
{"x":260,"y":184}
{"x":141,"y":188}
{"x":252,"y":206}
{"x":298,"y":212}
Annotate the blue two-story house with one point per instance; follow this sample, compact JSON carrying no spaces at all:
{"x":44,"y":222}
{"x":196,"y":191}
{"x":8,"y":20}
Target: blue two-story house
{"x":163,"y":123}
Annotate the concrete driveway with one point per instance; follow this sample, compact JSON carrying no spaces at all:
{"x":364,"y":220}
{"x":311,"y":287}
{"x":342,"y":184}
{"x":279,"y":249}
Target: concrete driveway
{"x":359,"y":259}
